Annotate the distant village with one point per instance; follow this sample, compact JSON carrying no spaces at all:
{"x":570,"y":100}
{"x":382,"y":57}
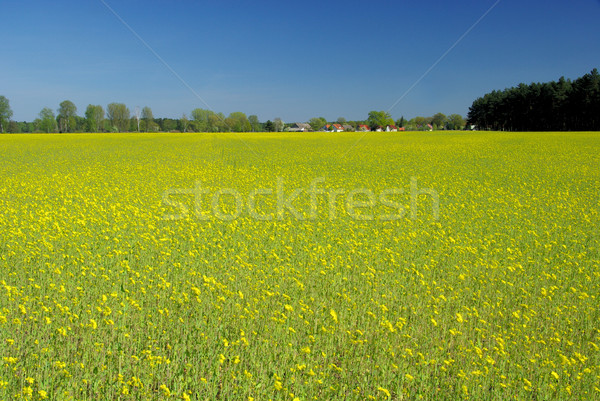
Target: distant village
{"x":305,"y":127}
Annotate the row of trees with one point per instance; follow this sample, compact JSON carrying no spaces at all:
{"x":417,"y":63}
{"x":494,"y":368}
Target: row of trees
{"x":562,"y":105}
{"x":118,"y":118}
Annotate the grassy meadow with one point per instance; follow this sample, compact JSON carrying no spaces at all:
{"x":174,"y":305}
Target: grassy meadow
{"x":435,"y":266}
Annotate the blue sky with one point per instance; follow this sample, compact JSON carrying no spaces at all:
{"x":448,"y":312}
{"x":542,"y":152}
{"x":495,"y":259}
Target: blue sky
{"x":293,"y":60}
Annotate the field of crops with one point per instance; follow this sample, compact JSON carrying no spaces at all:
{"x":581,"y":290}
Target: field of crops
{"x":436,"y":266}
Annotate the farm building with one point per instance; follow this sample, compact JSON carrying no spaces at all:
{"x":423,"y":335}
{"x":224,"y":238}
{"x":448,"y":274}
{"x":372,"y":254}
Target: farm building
{"x":300,"y":127}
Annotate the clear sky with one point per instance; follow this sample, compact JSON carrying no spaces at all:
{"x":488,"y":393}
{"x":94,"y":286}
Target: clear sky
{"x":289,"y":59}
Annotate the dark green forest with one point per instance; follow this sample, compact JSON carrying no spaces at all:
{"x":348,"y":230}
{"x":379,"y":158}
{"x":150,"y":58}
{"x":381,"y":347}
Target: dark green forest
{"x":562,"y":105}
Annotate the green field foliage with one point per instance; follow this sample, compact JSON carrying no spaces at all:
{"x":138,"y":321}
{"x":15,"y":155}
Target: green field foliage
{"x":118,"y":281}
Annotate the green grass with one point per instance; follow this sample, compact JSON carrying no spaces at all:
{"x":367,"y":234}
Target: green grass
{"x":496,"y":299}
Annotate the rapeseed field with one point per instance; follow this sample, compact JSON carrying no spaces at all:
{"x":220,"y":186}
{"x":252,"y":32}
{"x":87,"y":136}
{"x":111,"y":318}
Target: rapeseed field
{"x":308,"y":266}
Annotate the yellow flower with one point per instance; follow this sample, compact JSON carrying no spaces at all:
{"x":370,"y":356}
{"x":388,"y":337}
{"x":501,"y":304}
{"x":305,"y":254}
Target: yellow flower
{"x":384,"y":391}
{"x":334,"y":315}
{"x":165,"y":390}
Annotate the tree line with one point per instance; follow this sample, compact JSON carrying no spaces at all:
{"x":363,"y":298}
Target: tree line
{"x":377,"y":119}
{"x":562,"y":105}
{"x":117,"y":117}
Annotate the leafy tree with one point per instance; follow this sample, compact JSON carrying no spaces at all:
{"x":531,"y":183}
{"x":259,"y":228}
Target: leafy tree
{"x":25,"y":127}
{"x":316,"y":123}
{"x":218,"y":124}
{"x":419,"y":122}
{"x":47,"y":120}
{"x":184,"y":123}
{"x":118,"y":115}
{"x":94,"y":118}
{"x":5,"y":112}
{"x":164,"y":124}
{"x":438,"y":120}
{"x":269,"y":127}
{"x":455,"y":121}
{"x":278,"y":124}
{"x":147,"y":117}
{"x":13,"y":127}
{"x":134,"y":124}
{"x":341,"y":120}
{"x":203,"y":120}
{"x":66,"y":116}
{"x":379,"y":119}
{"x":80,"y":124}
{"x":238,"y":122}
{"x":253,"y":119}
